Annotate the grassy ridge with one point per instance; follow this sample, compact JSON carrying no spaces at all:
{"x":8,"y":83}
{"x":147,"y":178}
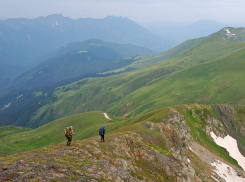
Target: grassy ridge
{"x":157,"y":86}
{"x":17,"y":139}
{"x":142,"y":61}
{"x":86,"y":125}
{"x":189,"y":77}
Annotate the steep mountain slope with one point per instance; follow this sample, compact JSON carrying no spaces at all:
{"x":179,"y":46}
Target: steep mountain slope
{"x":142,"y":61}
{"x":175,"y":144}
{"x":135,"y":92}
{"x":76,"y":61}
{"x":227,"y":33}
{"x":157,"y":86}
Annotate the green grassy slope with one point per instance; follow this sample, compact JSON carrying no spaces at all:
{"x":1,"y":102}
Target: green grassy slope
{"x":142,"y":61}
{"x":214,"y":82}
{"x":149,"y":88}
{"x":7,"y":131}
{"x":86,"y":125}
{"x":234,"y":34}
{"x":16,"y":139}
{"x":174,"y":81}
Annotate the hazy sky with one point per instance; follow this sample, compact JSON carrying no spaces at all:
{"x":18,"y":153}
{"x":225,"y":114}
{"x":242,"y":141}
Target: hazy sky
{"x":141,"y":11}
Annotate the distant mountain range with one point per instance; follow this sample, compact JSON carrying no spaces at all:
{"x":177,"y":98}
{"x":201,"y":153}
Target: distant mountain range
{"x":23,"y":40}
{"x":199,"y":29}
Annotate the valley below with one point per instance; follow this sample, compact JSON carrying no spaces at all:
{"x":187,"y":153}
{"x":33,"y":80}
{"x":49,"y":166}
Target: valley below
{"x":177,"y":115}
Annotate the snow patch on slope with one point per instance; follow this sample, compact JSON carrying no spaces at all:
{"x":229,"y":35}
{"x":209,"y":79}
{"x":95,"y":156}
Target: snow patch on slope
{"x":106,"y":116}
{"x":226,"y":172}
{"x":230,"y":144}
{"x":228,"y":32}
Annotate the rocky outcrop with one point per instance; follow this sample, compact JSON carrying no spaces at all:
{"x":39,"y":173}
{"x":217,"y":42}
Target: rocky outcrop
{"x":182,"y":144}
{"x":124,"y":157}
{"x":176,"y":133}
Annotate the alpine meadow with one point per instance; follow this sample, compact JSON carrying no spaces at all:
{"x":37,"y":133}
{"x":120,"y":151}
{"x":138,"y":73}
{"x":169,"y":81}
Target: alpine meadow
{"x":108,"y":100}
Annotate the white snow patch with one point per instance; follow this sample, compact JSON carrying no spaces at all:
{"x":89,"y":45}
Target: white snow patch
{"x":229,"y":33}
{"x":226,"y":172}
{"x":230,"y":144}
{"x":106,"y":116}
{"x":57,"y":23}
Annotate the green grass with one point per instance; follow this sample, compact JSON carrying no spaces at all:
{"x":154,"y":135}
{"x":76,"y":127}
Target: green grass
{"x":197,"y":75}
{"x":143,"y":61}
{"x":17,"y":139}
{"x":86,"y":125}
{"x":8,"y":130}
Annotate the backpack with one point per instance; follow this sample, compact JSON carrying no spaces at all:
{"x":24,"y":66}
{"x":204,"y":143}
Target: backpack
{"x":101,"y":131}
{"x":67,"y":131}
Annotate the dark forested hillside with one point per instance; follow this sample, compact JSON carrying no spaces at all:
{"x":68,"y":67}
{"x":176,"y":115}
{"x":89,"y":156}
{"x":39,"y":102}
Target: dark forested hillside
{"x":76,"y":61}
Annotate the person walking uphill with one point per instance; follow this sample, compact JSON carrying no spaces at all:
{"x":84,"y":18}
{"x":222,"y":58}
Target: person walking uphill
{"x":68,"y":134}
{"x":102,"y":133}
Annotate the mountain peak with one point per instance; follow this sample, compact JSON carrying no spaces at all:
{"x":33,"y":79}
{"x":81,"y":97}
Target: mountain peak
{"x":232,"y":34}
{"x":111,"y":17}
{"x":55,"y":16}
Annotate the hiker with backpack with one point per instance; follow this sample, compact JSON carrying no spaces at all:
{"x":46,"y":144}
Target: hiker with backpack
{"x":68,"y":134}
{"x":102,"y":133}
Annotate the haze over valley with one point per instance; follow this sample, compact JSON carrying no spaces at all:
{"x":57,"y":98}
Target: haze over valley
{"x":165,"y":80}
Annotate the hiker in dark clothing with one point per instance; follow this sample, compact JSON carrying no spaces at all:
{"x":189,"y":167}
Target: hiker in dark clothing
{"x":102,"y":133}
{"x":68,"y":134}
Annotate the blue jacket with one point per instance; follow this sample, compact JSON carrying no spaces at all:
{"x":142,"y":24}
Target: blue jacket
{"x":102,"y":130}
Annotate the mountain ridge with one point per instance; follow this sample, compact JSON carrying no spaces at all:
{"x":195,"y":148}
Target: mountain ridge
{"x":31,"y":38}
{"x":174,"y":143}
{"x":130,"y":94}
{"x":76,"y":61}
